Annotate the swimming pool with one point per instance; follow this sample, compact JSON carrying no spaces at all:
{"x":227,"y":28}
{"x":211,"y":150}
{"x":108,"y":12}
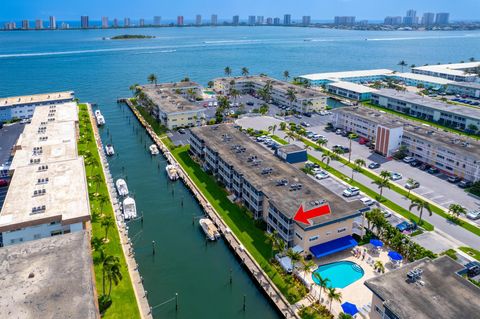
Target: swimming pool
{"x":340,"y":273}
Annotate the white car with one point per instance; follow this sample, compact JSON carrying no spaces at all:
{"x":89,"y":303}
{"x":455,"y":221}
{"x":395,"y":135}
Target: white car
{"x":395,"y":176}
{"x":316,"y":171}
{"x":386,"y":213}
{"x":474,"y":214}
{"x":322,"y":175}
{"x":351,"y":191}
{"x":367,"y":201}
{"x":408,"y":159}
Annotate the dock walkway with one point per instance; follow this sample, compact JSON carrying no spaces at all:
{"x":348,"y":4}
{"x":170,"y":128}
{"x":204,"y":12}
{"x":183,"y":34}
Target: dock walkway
{"x":247,"y":259}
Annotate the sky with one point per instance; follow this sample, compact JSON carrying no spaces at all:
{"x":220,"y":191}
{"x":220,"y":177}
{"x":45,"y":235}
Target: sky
{"x":317,"y":9}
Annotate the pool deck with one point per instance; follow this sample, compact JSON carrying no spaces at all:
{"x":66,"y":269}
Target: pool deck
{"x":356,"y":293}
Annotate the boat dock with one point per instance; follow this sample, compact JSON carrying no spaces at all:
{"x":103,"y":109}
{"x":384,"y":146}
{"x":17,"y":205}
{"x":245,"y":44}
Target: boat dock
{"x":127,"y":247}
{"x":248,"y":261}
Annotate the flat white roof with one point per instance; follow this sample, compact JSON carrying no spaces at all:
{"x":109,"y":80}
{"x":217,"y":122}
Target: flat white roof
{"x":357,"y":88}
{"x":337,"y":76}
{"x":422,"y":77}
{"x":453,"y":69}
{"x":36,"y":98}
{"x":63,"y":112}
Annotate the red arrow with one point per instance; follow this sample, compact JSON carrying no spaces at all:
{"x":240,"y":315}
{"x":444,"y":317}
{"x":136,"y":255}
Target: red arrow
{"x":303,"y":216}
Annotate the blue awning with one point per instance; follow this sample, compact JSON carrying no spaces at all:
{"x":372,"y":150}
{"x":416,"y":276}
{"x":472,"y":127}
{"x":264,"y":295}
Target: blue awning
{"x":333,"y":246}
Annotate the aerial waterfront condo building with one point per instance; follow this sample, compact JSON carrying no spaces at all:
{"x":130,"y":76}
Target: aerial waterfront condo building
{"x":214,"y":19}
{"x":157,"y":20}
{"x":198,"y":20}
{"x":428,"y":18}
{"x":38,"y":24}
{"x":276,"y":21}
{"x":274,"y":190}
{"x":180,"y":21}
{"x":451,"y":153}
{"x":126,"y":22}
{"x":442,"y":18}
{"x":396,"y":20}
{"x":174,"y":104}
{"x":115,"y":23}
{"x":306,"y":100}
{"x":48,"y":193}
{"x":361,"y":76}
{"x":287,"y":19}
{"x":22,"y":107}
{"x":344,"y":20}
{"x":462,"y":72}
{"x":260,"y":20}
{"x":105,"y":22}
{"x":251,"y":20}
{"x":236,"y":20}
{"x":470,"y":89}
{"x":411,"y":17}
{"x":350,"y":90}
{"x":424,"y":289}
{"x":25,"y":25}
{"x":84,"y":23}
{"x":53,"y":23}
{"x":306,"y":20}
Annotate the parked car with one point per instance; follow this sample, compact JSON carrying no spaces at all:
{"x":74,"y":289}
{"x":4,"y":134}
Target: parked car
{"x":453,"y":179}
{"x":298,"y":116}
{"x":373,"y":165}
{"x":351,"y":191}
{"x":250,"y":103}
{"x":406,"y":226}
{"x":415,"y":163}
{"x":475,"y":214}
{"x":322,"y":175}
{"x":395,"y":176}
{"x":362,"y":140}
{"x":338,"y":131}
{"x":412,"y":185}
{"x":386,"y":213}
{"x":3,"y":183}
{"x":408,"y":159}
{"x":344,"y":149}
{"x":305,"y":124}
{"x":425,"y":167}
{"x":433,"y":170}
{"x":316,"y":170}
{"x":367,"y":201}
{"x":182,"y":131}
{"x":465,"y":184}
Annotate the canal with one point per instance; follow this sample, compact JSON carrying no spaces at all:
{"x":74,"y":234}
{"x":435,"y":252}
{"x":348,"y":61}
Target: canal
{"x":183,"y":262}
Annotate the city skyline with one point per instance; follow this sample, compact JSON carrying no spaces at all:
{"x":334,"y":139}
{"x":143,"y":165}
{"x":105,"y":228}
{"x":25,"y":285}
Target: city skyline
{"x":319,"y":10}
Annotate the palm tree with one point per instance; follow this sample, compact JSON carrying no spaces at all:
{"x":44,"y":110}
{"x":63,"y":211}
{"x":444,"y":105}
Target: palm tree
{"x":96,"y":179}
{"x":227,"y":71}
{"x":112,"y":270}
{"x":384,"y":182}
{"x":291,"y":96}
{"x":291,"y":136}
{"x":152,"y":78}
{"x":273,"y":240}
{"x":334,"y":295}
{"x":245,"y":71}
{"x":97,"y":244}
{"x":327,"y":158}
{"x":134,"y":88}
{"x":103,"y":199}
{"x":343,"y":315}
{"x":234,"y":93}
{"x":286,"y":75}
{"x":322,"y":283}
{"x":322,"y":142}
{"x":456,"y":210}
{"x":420,"y":205}
{"x":294,"y":256}
{"x":410,"y":181}
{"x":107,"y":222}
{"x":272,"y":128}
{"x":402,"y":64}
{"x":358,"y":164}
{"x":307,"y":266}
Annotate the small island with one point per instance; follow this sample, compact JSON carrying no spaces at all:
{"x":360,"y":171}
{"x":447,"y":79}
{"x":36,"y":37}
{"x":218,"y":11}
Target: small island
{"x":131,"y":37}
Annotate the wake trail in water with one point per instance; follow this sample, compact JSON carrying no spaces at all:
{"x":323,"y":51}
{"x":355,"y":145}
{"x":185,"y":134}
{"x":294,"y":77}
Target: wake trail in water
{"x":426,"y":37}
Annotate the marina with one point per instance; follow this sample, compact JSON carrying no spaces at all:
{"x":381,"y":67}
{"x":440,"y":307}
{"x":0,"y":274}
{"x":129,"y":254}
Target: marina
{"x":209,"y":229}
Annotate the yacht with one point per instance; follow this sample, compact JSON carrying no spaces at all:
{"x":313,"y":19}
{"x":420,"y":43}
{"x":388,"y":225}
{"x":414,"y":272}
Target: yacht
{"x":122,"y":187}
{"x":109,"y":150}
{"x":154,"y":149}
{"x":172,"y":172}
{"x":209,"y":229}
{"x":99,"y":118}
{"x":129,"y":208}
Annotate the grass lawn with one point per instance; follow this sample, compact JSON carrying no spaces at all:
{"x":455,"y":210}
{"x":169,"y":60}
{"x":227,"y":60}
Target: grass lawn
{"x":124,"y":303}
{"x":472,"y":252}
{"x":241,"y":223}
{"x":159,"y":129}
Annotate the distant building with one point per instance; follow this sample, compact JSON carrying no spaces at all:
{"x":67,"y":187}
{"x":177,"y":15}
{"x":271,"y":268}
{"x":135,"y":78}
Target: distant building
{"x":157,"y":20}
{"x":410,"y":18}
{"x":53,"y":23}
{"x":115,"y":23}
{"x":214,"y":19}
{"x":198,"y":20}
{"x":442,"y":18}
{"x":236,"y":20}
{"x":251,"y":20}
{"x":142,"y":22}
{"x":64,"y":26}
{"x":10,"y":26}
{"x":359,"y":76}
{"x":38,"y":24}
{"x":276,"y":21}
{"x":260,"y":20}
{"x":463,"y":72}
{"x":471,"y":89}
{"x":287,"y":19}
{"x":269,"y":21}
{"x":84,"y":22}
{"x":392,"y":20}
{"x":126,"y":22}
{"x":428,"y":18}
{"x":306,"y":20}
{"x":104,"y":22}
{"x":344,"y":20}
{"x":25,"y":25}
{"x":180,"y":20}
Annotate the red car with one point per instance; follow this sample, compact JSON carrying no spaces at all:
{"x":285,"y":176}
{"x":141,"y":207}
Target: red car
{"x":363,"y":141}
{"x":3,"y":183}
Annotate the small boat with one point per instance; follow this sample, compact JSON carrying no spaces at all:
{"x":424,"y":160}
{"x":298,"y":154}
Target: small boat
{"x":121,"y":186}
{"x":129,"y":208}
{"x":172,"y":172}
{"x":99,"y":118}
{"x":209,"y":229}
{"x":154,"y":149}
{"x":109,"y":150}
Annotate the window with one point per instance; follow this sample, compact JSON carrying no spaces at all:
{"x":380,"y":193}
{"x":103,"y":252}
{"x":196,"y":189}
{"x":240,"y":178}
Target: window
{"x":341,"y":230}
{"x":300,"y":237}
{"x":313,"y":238}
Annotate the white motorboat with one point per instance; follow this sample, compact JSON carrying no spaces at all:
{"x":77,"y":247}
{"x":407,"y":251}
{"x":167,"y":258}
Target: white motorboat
{"x":154,"y":149}
{"x":172,"y":172}
{"x":129,"y":208}
{"x":209,"y":229}
{"x":99,"y":118}
{"x":109,"y":150}
{"x":122,"y":187}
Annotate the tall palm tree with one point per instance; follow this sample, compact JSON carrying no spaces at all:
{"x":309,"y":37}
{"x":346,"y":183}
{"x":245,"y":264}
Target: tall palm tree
{"x":272,"y":128}
{"x":286,"y":75}
{"x":96,"y":179}
{"x":152,"y":78}
{"x":420,"y":205}
{"x":106,"y":223}
{"x":294,"y":256}
{"x":307,"y":266}
{"x":382,"y":183}
{"x":291,"y":136}
{"x":322,"y":142}
{"x":234,"y":93}
{"x":334,"y":295}
{"x":227,"y":71}
{"x":410,"y":181}
{"x":357,"y":165}
{"x":245,"y":71}
{"x":327,"y":158}
{"x":102,"y":199}
{"x":291,"y":96}
{"x":456,"y":210}
{"x":350,"y":138}
{"x":322,"y":283}
{"x":112,"y":270}
{"x":272,"y":239}
{"x":402,"y":64}
{"x":97,"y":244}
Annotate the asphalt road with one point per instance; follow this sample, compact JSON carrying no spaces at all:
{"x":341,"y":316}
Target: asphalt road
{"x":8,"y":137}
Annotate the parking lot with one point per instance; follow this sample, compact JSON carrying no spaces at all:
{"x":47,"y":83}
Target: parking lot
{"x":8,"y":137}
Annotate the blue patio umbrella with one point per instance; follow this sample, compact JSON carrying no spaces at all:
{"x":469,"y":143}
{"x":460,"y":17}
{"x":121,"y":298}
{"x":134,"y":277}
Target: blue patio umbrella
{"x":376,"y":242}
{"x":349,"y":308}
{"x":394,"y":256}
